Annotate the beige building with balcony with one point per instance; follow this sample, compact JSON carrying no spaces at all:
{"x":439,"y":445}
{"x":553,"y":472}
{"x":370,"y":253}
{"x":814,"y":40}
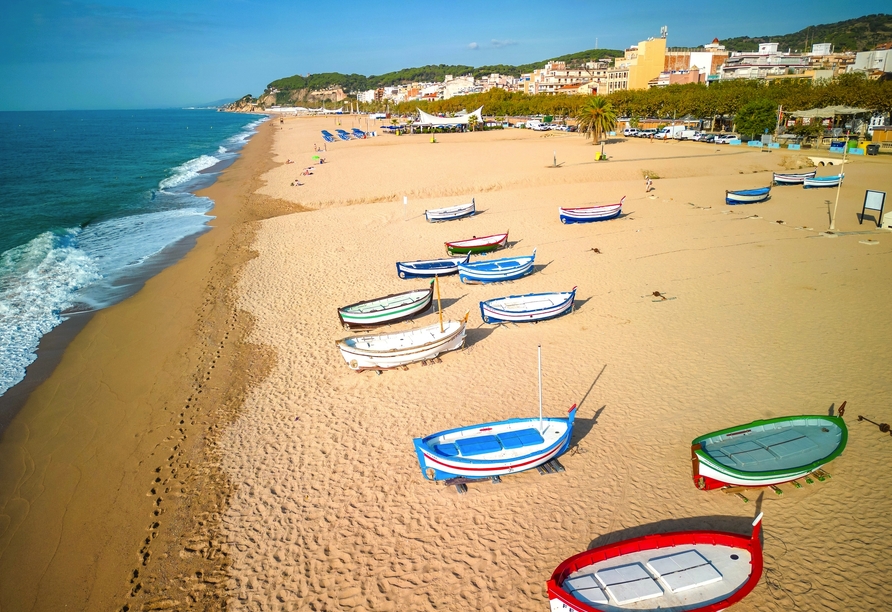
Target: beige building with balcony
{"x":640,"y":64}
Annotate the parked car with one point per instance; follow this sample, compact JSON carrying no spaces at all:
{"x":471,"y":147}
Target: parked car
{"x":700,"y":136}
{"x":708,"y":138}
{"x":630,"y":131}
{"x":689,"y":134}
{"x":646,"y":133}
{"x":725,"y":138}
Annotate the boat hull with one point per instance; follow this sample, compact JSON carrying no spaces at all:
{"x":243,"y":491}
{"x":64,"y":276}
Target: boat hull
{"x":747,"y":196}
{"x":437,"y":465}
{"x":822,"y":181}
{"x":452,"y":213}
{"x":477,"y":245}
{"x":361,"y":352}
{"x":526,"y":308}
{"x":767,"y":452}
{"x":386,"y":310}
{"x":497,"y":270}
{"x":429,"y":268}
{"x":793,"y":179}
{"x":590,"y":581}
{"x":590,"y":214}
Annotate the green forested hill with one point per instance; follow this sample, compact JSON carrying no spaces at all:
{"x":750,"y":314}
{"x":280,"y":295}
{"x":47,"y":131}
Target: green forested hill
{"x":430,"y":73}
{"x":859,"y":34}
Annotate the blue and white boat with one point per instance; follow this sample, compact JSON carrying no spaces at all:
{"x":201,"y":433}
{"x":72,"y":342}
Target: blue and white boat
{"x":495,"y":449}
{"x":460,"y":211}
{"x":823,"y":181}
{"x":327,"y":136}
{"x":429,"y":268}
{"x":795,"y":178}
{"x":496,"y":270}
{"x":588,"y":214}
{"x":747,"y":196}
{"x":526,"y":308}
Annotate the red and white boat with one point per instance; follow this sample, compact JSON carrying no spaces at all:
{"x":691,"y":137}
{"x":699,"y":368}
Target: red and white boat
{"x":686,"y":571}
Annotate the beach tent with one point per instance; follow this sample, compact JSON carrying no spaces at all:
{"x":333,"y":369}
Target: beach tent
{"x":829,"y":111}
{"x":428,"y":120}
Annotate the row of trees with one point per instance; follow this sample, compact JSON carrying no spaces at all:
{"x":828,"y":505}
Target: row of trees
{"x":723,"y":98}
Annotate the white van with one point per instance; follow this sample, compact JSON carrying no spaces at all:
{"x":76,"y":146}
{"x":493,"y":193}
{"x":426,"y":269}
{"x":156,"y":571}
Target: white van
{"x":670,"y":131}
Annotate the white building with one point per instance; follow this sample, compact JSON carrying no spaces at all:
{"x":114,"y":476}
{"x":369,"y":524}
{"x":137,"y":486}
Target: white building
{"x":869,"y":61}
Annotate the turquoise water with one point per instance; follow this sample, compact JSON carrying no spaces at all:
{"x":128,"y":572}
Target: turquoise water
{"x":89,"y":201}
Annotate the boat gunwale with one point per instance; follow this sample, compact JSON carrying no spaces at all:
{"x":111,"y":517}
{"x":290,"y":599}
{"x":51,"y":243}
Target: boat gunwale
{"x":661,"y":541}
{"x":593,"y":208}
{"x":354,"y":350}
{"x":425,"y":295}
{"x":464,"y":243}
{"x":570,"y":298}
{"x":702,"y":455}
{"x":485,"y":462}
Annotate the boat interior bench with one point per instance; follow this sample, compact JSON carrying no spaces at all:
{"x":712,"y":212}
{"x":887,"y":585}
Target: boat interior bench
{"x":481,"y":445}
{"x":783,"y":447}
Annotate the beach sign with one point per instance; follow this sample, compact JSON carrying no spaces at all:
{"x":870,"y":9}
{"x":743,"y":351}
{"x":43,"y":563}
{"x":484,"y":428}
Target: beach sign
{"x":873,"y":200}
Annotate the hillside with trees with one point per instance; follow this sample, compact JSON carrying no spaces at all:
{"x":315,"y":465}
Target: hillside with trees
{"x":859,"y":34}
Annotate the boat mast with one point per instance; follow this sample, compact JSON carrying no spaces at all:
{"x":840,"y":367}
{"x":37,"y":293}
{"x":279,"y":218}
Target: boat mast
{"x":439,"y":306}
{"x":540,"y":388}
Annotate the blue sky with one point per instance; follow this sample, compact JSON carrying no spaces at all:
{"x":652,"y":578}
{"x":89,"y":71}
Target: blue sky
{"x":77,"y":54}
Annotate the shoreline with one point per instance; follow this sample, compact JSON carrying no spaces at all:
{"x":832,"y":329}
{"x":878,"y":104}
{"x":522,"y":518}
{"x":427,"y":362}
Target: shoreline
{"x":124,"y":429}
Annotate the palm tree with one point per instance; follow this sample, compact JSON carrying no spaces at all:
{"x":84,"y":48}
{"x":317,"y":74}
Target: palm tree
{"x":596,"y":117}
{"x":472,"y":123}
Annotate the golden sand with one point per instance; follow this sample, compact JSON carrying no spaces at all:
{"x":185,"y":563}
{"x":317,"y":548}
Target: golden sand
{"x":285,"y":481}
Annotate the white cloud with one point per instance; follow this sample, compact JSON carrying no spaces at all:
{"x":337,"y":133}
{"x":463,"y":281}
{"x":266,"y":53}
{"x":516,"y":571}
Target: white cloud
{"x":473,"y":46}
{"x":503,"y":43}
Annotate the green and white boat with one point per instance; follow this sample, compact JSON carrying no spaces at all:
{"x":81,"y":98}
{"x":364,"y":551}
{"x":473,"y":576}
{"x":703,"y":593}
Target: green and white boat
{"x":768,"y":452}
{"x":386,"y":310}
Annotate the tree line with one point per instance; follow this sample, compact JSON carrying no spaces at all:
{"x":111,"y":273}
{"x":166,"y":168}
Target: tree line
{"x":722,"y":98}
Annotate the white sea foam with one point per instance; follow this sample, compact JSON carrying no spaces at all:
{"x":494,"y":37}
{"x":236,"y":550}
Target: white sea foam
{"x":188,"y":171}
{"x":37,"y":281}
{"x":93,"y":267}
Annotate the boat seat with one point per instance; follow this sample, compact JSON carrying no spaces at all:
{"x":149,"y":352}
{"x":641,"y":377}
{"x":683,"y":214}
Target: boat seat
{"x":629,"y":583}
{"x":447,"y":449}
{"x":586,"y":589}
{"x":479,"y":445}
{"x":521,"y":438}
{"x":685,"y":570}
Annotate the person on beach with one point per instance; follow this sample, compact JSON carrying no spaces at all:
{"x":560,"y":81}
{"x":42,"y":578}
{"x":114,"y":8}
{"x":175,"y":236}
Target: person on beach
{"x":648,"y":184}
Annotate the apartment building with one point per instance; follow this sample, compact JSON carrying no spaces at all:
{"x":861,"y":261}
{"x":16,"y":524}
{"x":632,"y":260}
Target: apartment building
{"x":639,"y":65}
{"x":556,"y":78}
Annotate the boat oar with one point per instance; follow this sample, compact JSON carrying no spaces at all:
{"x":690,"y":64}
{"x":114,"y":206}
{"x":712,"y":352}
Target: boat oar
{"x":439,"y":306}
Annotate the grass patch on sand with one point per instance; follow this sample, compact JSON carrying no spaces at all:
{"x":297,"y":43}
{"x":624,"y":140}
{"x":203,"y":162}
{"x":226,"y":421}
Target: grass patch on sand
{"x":649,"y":173}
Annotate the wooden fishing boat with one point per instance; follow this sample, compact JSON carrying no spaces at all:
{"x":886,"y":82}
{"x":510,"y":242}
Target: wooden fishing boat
{"x":823,"y":181}
{"x":767,"y":452}
{"x":690,"y":571}
{"x":747,"y":196}
{"x":435,"y":215}
{"x":477,"y":245}
{"x":429,"y":268}
{"x":588,"y":214}
{"x":386,"y":310}
{"x":528,"y":307}
{"x":496,"y":270}
{"x":385,"y":351}
{"x":495,"y":449}
{"x":796,"y":178}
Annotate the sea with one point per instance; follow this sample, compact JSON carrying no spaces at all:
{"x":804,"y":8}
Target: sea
{"x":89,"y":203}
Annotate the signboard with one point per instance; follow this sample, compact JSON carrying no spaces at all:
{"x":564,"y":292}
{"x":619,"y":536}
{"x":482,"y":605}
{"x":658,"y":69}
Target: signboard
{"x":873,"y":200}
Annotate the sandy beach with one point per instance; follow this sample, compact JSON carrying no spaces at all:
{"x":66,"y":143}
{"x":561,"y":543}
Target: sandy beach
{"x":203,"y":444}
